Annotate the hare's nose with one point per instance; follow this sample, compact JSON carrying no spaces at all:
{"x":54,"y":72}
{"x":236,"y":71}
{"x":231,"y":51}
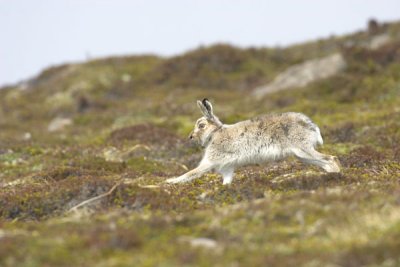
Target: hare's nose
{"x":191,"y":136}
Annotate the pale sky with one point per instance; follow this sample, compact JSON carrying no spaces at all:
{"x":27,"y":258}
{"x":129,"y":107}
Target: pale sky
{"x":35,"y":34}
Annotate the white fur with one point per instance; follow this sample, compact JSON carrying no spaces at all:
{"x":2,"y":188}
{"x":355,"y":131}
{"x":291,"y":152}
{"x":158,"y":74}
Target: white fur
{"x":255,"y":141}
{"x":319,"y":137}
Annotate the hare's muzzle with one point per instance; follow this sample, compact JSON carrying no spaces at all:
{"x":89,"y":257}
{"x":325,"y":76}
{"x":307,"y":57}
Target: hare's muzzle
{"x":191,"y":136}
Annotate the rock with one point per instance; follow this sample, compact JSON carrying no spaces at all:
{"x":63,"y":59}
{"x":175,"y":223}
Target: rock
{"x":126,"y":78}
{"x":58,"y":124}
{"x":379,"y":41}
{"x":203,"y":242}
{"x":373,"y":26}
{"x":27,"y":136}
{"x":302,"y":74}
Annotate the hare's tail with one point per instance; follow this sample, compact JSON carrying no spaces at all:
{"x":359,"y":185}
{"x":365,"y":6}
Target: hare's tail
{"x":319,"y":137}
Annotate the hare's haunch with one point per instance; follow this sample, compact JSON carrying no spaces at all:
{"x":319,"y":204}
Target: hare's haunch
{"x":265,"y":138}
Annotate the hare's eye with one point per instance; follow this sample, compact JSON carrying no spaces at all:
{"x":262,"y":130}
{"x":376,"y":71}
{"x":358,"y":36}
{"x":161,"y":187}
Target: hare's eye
{"x":202,"y":125}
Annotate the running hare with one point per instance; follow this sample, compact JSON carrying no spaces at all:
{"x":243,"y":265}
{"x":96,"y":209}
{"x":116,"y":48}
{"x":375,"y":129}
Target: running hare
{"x":265,"y":138}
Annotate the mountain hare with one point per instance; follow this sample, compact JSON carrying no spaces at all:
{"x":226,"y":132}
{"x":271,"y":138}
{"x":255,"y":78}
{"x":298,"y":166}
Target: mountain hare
{"x":265,"y":138}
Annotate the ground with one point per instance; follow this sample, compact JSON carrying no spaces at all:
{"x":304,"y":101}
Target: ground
{"x":128,"y":122}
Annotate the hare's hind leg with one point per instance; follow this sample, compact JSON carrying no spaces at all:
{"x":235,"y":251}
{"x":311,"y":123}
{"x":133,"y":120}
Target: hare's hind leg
{"x":327,"y":162}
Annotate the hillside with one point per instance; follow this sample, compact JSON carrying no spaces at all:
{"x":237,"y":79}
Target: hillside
{"x":118,"y":127}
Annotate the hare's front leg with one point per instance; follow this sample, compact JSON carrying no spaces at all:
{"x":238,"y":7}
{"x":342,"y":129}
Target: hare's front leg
{"x":193,"y":174}
{"x":227,"y":175}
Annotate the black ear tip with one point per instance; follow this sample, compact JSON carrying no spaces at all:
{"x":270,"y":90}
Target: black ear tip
{"x":205,"y":100}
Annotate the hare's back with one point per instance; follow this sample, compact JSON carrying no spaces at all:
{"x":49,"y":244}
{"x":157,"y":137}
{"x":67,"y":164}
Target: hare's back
{"x":266,"y":137}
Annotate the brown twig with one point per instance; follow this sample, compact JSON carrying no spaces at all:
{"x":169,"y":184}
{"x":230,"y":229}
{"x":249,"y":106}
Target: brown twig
{"x":74,"y":208}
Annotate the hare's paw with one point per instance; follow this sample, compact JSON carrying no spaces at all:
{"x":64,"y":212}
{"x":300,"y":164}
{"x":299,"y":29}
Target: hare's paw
{"x":174,"y":180}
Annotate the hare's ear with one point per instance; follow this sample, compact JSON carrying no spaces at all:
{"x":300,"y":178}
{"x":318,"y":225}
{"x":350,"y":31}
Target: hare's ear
{"x":206,"y":108}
